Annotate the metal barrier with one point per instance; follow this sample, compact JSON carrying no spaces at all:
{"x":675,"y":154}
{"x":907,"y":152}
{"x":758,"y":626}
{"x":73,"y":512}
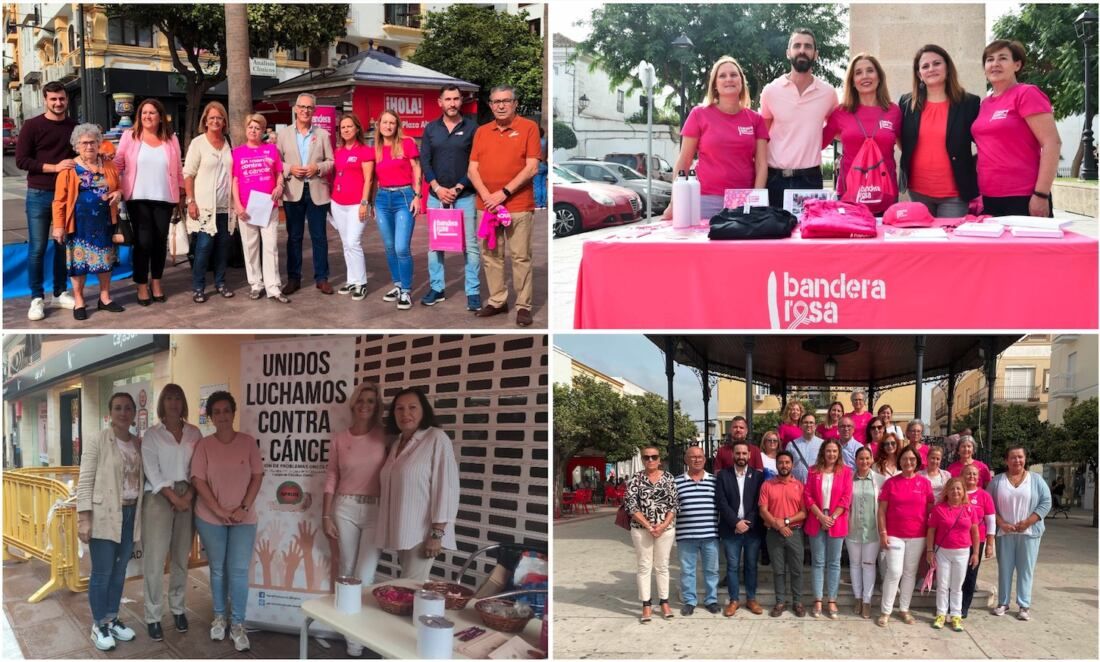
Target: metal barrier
{"x":28,"y":496}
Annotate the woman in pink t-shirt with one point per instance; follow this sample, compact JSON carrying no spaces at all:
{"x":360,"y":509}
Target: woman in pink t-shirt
{"x":1018,"y":143}
{"x":351,"y":183}
{"x":873,"y":433}
{"x":965,"y":449}
{"x":730,"y":139}
{"x":860,"y":416}
{"x":952,"y":546}
{"x":224,"y":513}
{"x":397,"y":201}
{"x":352,"y":488}
{"x":866,"y":112}
{"x":789,"y":427}
{"x":828,"y":429}
{"x":257,"y":167}
{"x":903,"y":506}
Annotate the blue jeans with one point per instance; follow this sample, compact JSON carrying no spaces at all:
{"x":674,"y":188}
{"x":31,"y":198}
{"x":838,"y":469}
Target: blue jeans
{"x":689,"y":551}
{"x":539,"y":183}
{"x":39,"y":224}
{"x":205,"y":244}
{"x":1016,"y":552}
{"x":109,"y":561}
{"x":473,"y":252}
{"x":297,"y":215}
{"x":395,"y":224}
{"x":228,"y":551}
{"x":825,"y":574}
{"x":741,"y":546}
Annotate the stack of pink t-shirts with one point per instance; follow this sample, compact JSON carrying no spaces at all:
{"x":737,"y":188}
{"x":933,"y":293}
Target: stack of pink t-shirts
{"x":834,"y":219}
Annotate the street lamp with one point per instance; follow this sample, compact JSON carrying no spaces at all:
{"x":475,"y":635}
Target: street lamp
{"x":582,"y":103}
{"x":684,"y":46}
{"x":1085,"y":26}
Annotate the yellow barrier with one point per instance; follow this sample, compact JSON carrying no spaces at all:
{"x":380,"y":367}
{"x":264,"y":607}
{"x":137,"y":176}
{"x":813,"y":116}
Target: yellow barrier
{"x":28,"y":496}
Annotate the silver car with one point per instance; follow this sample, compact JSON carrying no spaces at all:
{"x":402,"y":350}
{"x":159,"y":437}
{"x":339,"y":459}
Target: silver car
{"x":620,"y":175}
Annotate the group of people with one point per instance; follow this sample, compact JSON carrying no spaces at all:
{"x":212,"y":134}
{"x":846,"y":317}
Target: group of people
{"x":390,"y":486}
{"x":936,"y":126}
{"x":887,"y":501}
{"x":76,"y":181}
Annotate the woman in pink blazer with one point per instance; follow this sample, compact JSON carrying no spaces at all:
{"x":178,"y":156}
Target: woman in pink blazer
{"x":149,"y":162}
{"x":828,"y":496}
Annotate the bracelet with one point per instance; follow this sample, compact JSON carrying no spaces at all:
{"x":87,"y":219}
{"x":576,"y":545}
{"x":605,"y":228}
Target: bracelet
{"x":325,"y":517}
{"x":1044,"y":196}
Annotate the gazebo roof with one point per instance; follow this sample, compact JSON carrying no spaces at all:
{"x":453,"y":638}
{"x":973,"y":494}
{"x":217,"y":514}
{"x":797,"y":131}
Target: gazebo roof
{"x":862,"y":360}
{"x":370,"y":67}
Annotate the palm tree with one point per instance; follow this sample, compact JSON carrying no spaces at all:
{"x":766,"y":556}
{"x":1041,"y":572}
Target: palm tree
{"x":239,"y":77}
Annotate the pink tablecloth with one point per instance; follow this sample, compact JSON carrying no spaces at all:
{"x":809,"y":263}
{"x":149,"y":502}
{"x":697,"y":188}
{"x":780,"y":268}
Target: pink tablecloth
{"x":960,"y":283}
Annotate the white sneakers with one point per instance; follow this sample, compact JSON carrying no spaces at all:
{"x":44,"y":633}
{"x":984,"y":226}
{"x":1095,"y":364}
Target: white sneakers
{"x":239,"y":637}
{"x":120,"y":631}
{"x":354,"y":649}
{"x":392,"y":294}
{"x":1000,"y":610}
{"x":101,"y":635}
{"x":217,"y":628}
{"x":37,"y":310}
{"x":1025,"y":614}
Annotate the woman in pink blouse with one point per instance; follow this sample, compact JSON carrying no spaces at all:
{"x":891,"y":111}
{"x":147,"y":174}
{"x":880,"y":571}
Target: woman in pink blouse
{"x":966,"y":459}
{"x":827,"y":429}
{"x":828,"y":497}
{"x":419,"y":487}
{"x":860,"y":416}
{"x":789,"y":428}
{"x":352,"y":487}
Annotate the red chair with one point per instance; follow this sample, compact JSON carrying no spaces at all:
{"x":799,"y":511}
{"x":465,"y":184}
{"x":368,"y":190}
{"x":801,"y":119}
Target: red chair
{"x":584,"y":499}
{"x":568,"y":502}
{"x":614,"y":495}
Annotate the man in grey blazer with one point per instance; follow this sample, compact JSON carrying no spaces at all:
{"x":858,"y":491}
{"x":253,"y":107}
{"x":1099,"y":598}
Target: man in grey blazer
{"x":306,"y":151}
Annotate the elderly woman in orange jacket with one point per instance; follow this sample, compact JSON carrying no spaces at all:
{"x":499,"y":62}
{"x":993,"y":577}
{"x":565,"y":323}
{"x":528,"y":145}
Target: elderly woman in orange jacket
{"x":85,"y":218}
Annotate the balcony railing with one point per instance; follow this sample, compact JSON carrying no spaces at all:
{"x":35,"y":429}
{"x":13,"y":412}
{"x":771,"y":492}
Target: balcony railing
{"x":1063,"y":385}
{"x":1008,"y":394}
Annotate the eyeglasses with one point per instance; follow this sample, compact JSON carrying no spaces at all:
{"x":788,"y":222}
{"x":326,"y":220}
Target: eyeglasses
{"x":889,"y":443}
{"x":651,"y":458}
{"x":87,"y":143}
{"x":301,"y":107}
{"x":877,"y":427}
{"x":500,"y":102}
{"x":215,"y":118}
{"x":845,"y":426}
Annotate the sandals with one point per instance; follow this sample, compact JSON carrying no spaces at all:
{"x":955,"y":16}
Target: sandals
{"x":647,"y":613}
{"x":666,"y":610}
{"x":816,"y":611}
{"x":255,"y":294}
{"x":882,"y":620}
{"x":833,"y":611}
{"x":225,"y":292}
{"x":199,"y":296}
{"x":281,"y":298}
{"x":907,"y":618}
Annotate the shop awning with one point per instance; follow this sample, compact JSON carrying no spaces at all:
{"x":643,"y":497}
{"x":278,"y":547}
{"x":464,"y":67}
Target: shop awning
{"x":81,"y":357}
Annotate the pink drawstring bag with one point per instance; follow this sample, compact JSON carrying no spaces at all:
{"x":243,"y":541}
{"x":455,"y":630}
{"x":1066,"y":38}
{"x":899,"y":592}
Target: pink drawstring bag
{"x":490,"y":221}
{"x":835,"y":219}
{"x":445,"y":230}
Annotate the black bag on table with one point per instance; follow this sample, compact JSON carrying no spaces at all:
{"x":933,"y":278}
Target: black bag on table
{"x":758,"y":223}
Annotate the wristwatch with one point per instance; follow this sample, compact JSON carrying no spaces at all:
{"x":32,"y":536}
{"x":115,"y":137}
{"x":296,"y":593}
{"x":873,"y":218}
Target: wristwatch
{"x":437,"y":534}
{"x":786,"y":521}
{"x":507,"y":193}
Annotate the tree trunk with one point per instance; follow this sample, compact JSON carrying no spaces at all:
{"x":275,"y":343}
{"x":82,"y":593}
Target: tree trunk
{"x":238,"y":75}
{"x":195,"y":92}
{"x":545,"y":73}
{"x":1078,"y":157}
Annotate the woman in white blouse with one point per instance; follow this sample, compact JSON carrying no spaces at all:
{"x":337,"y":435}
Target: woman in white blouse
{"x":166,"y":513}
{"x":207,"y":177}
{"x":419,"y":481}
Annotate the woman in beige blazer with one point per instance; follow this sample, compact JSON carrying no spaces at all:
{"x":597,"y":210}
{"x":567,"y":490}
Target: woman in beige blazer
{"x":108,"y":498}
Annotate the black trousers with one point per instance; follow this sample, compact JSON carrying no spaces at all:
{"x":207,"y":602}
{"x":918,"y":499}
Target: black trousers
{"x":150,"y":220}
{"x":1016,"y":205}
{"x":970,"y":580}
{"x":777,"y":184}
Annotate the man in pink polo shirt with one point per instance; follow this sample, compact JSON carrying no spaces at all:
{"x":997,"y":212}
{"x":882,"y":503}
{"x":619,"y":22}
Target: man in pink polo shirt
{"x":794,"y":107}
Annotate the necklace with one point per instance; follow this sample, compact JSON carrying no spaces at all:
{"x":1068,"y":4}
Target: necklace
{"x":1016,"y":481}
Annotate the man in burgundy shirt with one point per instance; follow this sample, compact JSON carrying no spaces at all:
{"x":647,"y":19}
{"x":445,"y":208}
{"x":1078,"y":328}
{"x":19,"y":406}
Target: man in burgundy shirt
{"x":45,"y":149}
{"x":739,"y":431}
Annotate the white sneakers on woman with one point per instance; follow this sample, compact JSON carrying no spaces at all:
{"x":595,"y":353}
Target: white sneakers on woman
{"x":217,"y":628}
{"x":239,"y":637}
{"x":101,"y":637}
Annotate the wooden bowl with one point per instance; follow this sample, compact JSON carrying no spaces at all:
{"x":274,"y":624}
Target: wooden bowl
{"x":456,"y":595}
{"x":386,"y":595}
{"x":498,"y":621}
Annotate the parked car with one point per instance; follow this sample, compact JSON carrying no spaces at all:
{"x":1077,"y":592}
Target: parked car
{"x":583,"y":205}
{"x":9,"y":140}
{"x":620,"y":175}
{"x":662,"y":170}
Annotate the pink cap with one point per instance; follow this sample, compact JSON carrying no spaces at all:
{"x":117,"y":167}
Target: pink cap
{"x":908,"y":215}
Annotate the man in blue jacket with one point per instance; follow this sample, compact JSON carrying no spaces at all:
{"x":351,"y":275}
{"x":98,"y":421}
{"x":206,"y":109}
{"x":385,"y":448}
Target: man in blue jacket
{"x":739,"y":527}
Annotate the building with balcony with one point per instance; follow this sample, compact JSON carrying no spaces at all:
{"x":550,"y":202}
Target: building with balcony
{"x":1073,"y":372}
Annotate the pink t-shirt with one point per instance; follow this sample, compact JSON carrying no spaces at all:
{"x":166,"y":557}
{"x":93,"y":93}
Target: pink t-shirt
{"x":1008,"y":152}
{"x":788,"y":432}
{"x":953,"y":524}
{"x":396,"y":172}
{"x":923,"y":452}
{"x":984,"y":475}
{"x":826,"y":432}
{"x":794,"y":139}
{"x":227,"y":469}
{"x":355,"y":462}
{"x":860,"y":421}
{"x":727,"y":147}
{"x":883,"y":125}
{"x":347,"y":178}
{"x":983,"y":505}
{"x":907,"y":501}
{"x":256,"y":169}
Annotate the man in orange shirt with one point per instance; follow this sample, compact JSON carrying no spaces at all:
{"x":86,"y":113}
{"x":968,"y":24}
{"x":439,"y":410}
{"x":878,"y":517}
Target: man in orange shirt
{"x":504,"y":158}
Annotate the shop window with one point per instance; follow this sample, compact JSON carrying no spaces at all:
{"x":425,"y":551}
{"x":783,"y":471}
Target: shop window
{"x":619,"y":101}
{"x":126,"y":32}
{"x":403,"y":14}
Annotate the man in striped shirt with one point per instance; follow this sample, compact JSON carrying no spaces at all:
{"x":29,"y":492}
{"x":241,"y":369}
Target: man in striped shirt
{"x":697,"y":532}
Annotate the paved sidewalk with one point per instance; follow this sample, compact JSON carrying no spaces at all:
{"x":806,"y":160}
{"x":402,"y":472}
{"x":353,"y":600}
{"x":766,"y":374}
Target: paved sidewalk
{"x":596,"y":610}
{"x":568,"y":250}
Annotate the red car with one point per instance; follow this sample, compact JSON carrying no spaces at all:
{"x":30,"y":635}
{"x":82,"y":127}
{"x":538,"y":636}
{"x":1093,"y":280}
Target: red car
{"x":583,"y":205}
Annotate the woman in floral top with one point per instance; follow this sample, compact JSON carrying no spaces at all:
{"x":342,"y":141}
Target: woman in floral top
{"x":652,"y":504}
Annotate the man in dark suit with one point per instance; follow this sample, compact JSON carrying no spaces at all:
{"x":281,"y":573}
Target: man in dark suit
{"x":739,"y":526}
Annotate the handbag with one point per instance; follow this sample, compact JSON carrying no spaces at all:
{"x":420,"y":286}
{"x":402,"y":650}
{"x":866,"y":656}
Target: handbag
{"x":179,"y":242}
{"x":756,"y":223}
{"x":123,"y":227}
{"x":930,"y":576}
{"x":622,"y":518}
{"x":835,"y":219}
{"x":445,"y":229}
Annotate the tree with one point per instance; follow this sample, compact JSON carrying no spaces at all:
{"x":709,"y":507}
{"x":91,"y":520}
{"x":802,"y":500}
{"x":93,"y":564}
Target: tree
{"x":564,"y":138}
{"x":489,"y":48}
{"x":590,"y":414}
{"x":762,"y":423}
{"x":1055,"y":58}
{"x":240,"y":93}
{"x":198,"y":32}
{"x":1012,"y":424}
{"x":756,"y":34}
{"x":653,"y":413}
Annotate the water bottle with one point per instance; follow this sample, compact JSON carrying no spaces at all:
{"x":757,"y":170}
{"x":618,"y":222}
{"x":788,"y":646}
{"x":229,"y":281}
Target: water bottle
{"x":696,"y":198}
{"x":682,"y":206}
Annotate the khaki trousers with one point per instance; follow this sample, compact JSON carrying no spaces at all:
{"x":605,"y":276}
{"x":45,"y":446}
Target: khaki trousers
{"x":251,"y":235}
{"x":652,"y":557}
{"x":413,"y":564}
{"x":165,"y":532}
{"x":518,"y":238}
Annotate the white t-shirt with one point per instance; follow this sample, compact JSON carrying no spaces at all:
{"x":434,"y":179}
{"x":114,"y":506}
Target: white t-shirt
{"x":769,"y":464}
{"x":827,"y":492}
{"x":151,"y":182}
{"x":939,"y":481}
{"x":1014,"y":503}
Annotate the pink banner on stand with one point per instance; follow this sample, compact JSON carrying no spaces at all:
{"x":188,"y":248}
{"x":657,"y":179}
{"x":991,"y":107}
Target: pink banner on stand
{"x":959,"y":283}
{"x":324,"y":117}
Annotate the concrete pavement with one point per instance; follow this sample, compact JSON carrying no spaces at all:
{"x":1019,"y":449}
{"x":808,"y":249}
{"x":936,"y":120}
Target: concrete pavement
{"x":596,"y":610}
{"x":308,"y":308}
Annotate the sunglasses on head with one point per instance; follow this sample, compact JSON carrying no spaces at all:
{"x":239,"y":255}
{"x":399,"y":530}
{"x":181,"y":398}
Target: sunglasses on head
{"x":650,"y":458}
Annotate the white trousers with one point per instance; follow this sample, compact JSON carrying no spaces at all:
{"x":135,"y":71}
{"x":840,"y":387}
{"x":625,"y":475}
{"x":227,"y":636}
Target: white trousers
{"x":950,"y":573}
{"x":652,"y":556}
{"x":359,"y":553}
{"x":414,"y":565}
{"x":862,"y":558}
{"x":902,"y":560}
{"x":266,"y":275}
{"x":345,"y":218}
